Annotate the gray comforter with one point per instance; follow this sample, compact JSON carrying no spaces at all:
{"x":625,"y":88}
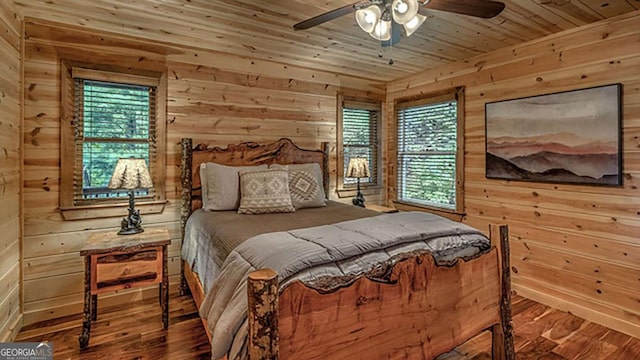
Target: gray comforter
{"x":210,"y":236}
{"x":343,"y":248}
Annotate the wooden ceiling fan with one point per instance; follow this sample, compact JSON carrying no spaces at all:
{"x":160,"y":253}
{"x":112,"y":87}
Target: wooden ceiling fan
{"x":478,"y":8}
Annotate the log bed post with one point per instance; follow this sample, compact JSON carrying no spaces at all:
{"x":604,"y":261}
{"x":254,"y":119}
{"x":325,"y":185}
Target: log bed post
{"x":262,"y":289}
{"x":185,"y":204}
{"x":325,"y":167}
{"x":502,"y":334}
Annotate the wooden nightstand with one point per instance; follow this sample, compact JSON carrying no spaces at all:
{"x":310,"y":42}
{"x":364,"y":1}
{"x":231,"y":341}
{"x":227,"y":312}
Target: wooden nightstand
{"x":115,"y":262}
{"x":380,"y":208}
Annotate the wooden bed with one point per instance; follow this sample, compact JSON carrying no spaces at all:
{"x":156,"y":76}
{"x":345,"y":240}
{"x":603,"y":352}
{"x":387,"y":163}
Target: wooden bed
{"x":409,"y":307}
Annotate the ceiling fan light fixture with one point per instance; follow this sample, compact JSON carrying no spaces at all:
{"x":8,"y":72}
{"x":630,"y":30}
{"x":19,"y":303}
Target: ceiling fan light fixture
{"x":412,"y":25}
{"x":368,"y":17}
{"x":382,"y":30}
{"x":382,"y":19}
{"x":404,"y":10}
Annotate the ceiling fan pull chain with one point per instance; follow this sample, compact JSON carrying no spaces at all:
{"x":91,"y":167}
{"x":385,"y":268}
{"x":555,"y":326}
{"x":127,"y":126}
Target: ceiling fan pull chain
{"x":391,"y":47}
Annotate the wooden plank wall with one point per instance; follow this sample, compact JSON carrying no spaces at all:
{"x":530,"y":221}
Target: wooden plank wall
{"x":212,"y":97}
{"x":10,"y":74}
{"x":575,"y":248}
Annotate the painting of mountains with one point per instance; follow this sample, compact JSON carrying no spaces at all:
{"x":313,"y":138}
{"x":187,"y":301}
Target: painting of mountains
{"x":568,"y":137}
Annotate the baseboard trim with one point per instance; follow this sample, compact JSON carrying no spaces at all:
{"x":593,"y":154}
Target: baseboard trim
{"x":10,"y":333}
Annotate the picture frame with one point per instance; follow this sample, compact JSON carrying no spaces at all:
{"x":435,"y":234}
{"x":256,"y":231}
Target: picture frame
{"x":572,"y":137}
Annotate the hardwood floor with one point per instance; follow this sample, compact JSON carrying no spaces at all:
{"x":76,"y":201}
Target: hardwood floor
{"x":128,"y":331}
{"x":548,"y":334}
{"x":134,"y":331}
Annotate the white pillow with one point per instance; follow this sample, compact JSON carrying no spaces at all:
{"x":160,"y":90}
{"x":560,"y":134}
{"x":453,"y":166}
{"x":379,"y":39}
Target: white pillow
{"x":221,"y":185}
{"x":305,"y":184}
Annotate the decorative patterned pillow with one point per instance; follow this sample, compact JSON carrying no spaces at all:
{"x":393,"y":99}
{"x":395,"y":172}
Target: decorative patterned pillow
{"x":221,"y":185}
{"x":265,"y":191}
{"x":305,"y":184}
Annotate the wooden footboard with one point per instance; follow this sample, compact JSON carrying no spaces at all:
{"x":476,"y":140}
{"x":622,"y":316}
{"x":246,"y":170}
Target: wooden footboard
{"x":408,"y":308}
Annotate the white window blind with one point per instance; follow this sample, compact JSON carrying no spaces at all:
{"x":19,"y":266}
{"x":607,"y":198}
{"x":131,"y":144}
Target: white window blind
{"x":111,"y":120}
{"x":360,"y":137}
{"x":427,"y":142}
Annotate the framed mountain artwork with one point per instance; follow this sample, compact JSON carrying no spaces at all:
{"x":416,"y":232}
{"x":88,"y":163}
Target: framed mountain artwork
{"x":567,"y":137}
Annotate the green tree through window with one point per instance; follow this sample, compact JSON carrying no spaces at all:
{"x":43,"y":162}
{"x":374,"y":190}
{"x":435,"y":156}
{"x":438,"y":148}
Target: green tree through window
{"x":115,"y":119}
{"x":360,"y":137}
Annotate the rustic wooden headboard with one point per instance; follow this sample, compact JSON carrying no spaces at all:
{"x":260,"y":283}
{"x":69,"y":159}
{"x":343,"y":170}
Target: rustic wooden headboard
{"x":283,"y":151}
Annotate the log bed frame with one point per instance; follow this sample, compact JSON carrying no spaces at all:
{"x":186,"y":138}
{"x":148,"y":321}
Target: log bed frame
{"x":408,"y":307}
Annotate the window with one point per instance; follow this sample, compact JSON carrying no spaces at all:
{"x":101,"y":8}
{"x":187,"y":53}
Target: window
{"x":112,"y":121}
{"x":430,"y":151}
{"x":106,"y":116}
{"x":358,"y":137}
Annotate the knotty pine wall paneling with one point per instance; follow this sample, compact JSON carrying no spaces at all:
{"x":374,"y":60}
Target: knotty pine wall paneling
{"x":214,"y":98}
{"x":575,"y":248}
{"x":10,"y":74}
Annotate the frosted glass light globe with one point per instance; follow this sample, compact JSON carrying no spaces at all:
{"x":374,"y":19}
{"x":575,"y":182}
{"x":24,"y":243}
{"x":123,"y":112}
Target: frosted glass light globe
{"x":402,"y":7}
{"x":370,"y":18}
{"x":412,"y":23}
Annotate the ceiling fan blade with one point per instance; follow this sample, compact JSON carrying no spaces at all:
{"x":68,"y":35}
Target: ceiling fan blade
{"x":479,"y":8}
{"x":328,"y":16}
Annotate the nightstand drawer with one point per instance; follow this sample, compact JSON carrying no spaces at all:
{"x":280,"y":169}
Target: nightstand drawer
{"x":123,"y":270}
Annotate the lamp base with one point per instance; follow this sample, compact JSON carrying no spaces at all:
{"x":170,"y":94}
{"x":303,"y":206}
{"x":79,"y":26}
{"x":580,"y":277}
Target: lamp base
{"x":130,"y":231}
{"x":359,"y":199}
{"x":132,"y":224}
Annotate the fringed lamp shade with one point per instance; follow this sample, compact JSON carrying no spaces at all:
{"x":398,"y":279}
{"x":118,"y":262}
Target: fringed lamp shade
{"x":131,"y":173}
{"x":358,"y":168}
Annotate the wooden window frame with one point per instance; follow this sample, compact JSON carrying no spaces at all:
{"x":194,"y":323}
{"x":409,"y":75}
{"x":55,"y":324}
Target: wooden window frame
{"x":349,"y":190}
{"x":424,"y":99}
{"x":101,"y":209}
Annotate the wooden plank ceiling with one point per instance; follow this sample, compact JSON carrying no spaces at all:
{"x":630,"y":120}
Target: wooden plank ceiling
{"x":263,"y":29}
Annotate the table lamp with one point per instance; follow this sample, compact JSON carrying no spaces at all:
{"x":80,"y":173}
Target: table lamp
{"x":358,"y":168}
{"x":131,"y":174}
